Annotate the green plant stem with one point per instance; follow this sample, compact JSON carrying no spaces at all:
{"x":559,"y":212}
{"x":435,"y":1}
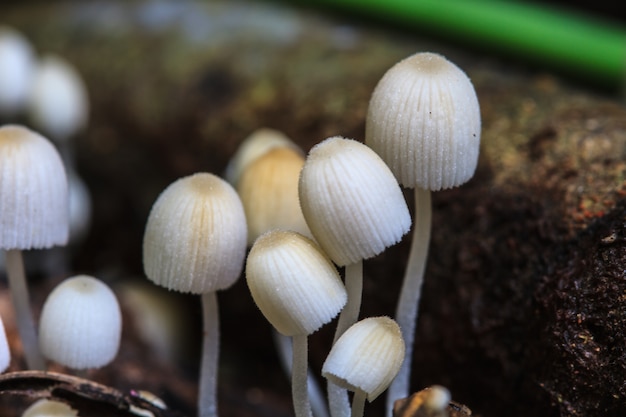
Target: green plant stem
{"x":338,"y":401}
{"x":207,"y":395}
{"x":557,"y":37}
{"x":299,"y":375}
{"x":408,"y":302}
{"x":23,"y":315}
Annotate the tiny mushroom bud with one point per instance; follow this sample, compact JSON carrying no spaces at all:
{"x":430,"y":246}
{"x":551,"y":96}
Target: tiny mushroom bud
{"x":81,"y":324}
{"x":365,"y":359}
{"x":16,"y":71}
{"x":424,"y":121}
{"x":34,"y":214}
{"x":49,"y":408}
{"x":298,"y":290}
{"x":195,"y":241}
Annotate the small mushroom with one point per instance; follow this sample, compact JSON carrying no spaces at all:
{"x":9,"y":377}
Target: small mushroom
{"x":49,"y":408}
{"x":365,"y":359}
{"x":298,"y":290}
{"x":424,"y":122}
{"x":81,"y":324}
{"x":16,"y":71}
{"x":34,"y":214}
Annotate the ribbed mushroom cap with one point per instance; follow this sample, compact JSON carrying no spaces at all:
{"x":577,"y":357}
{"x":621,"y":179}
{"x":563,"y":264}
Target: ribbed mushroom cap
{"x":81,"y":324}
{"x":34,"y":200}
{"x":351,"y":201}
{"x":424,"y":121}
{"x":49,"y":408}
{"x":366,"y":357}
{"x":58,"y":103}
{"x":268,"y":188}
{"x":195,"y":238}
{"x":5,"y":352}
{"x":16,"y":71}
{"x":294,"y":284}
{"x":259,"y":142}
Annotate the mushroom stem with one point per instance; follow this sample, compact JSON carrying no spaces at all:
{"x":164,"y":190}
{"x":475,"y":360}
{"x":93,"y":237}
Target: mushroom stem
{"x":20,"y":299}
{"x":284,"y":345}
{"x":299,"y":374}
{"x":338,"y":401}
{"x":358,"y":403}
{"x":408,"y":303}
{"x":207,"y":396}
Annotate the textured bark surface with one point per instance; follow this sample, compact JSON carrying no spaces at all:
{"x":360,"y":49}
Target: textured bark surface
{"x":523,"y":307}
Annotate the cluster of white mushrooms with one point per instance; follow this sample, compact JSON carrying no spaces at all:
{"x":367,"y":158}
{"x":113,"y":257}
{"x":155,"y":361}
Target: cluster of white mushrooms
{"x":289,"y":221}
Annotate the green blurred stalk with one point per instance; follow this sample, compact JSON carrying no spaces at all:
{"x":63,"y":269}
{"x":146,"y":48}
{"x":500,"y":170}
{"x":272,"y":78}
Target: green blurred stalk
{"x":580,"y":45}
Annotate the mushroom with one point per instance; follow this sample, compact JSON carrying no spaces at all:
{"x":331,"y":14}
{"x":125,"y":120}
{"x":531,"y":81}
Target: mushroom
{"x":81,"y":324}
{"x":355,"y":209}
{"x":16,"y":71}
{"x":424,"y":122}
{"x":268,"y":188}
{"x":298,"y":290}
{"x":49,"y":408}
{"x":195,"y":242}
{"x":365,"y":359}
{"x":33,"y":215}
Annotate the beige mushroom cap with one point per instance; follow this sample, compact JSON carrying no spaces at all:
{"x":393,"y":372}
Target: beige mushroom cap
{"x":34,"y":202}
{"x":424,"y":121}
{"x":49,"y":408}
{"x":195,"y":237}
{"x":351,"y":201}
{"x":268,"y":188}
{"x":366,"y":357}
{"x":294,"y":284}
{"x":81,"y":324}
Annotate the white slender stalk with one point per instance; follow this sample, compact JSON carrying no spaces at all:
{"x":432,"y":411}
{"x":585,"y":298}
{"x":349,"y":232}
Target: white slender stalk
{"x":408,"y":303}
{"x":358,"y":403}
{"x":338,"y":401}
{"x":24,"y":317}
{"x":299,"y":389}
{"x":207,"y":396}
{"x":285,"y":352}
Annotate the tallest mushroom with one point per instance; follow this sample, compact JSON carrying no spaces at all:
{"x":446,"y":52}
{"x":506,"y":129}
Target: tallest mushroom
{"x":424,"y":122}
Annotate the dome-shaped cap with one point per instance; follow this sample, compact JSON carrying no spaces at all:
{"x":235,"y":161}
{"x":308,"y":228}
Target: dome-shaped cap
{"x":81,"y":324}
{"x":268,"y":188}
{"x":366,"y":357}
{"x":16,"y":70}
{"x":294,"y":284}
{"x":49,"y":408}
{"x":424,"y":121}
{"x":58,"y":103}
{"x":351,"y":201}
{"x":258,"y":143}
{"x":195,"y":238}
{"x":34,"y":202}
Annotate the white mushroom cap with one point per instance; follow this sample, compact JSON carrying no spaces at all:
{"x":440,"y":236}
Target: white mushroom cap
{"x":58,"y":103}
{"x":195,"y":238}
{"x":424,"y":121}
{"x":294,"y":284}
{"x":366,"y":357}
{"x":81,"y":324}
{"x":16,"y":71}
{"x":5,"y":352}
{"x":268,"y":188}
{"x":351,"y":201}
{"x":255,"y":145}
{"x":34,"y":200}
{"x":49,"y":408}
